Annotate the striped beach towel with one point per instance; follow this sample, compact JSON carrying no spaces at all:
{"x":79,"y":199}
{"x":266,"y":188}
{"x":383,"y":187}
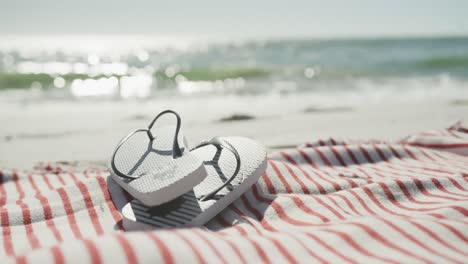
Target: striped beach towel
{"x":330,"y":200}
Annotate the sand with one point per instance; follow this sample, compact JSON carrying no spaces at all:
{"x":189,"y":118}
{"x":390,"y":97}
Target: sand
{"x":89,"y":130}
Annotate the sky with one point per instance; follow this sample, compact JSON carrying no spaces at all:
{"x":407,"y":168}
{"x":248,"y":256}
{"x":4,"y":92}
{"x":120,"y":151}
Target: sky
{"x":235,"y":19}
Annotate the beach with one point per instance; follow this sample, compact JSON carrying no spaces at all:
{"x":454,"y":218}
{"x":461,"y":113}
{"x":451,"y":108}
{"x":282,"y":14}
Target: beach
{"x":312,"y":132}
{"x":88,"y":131}
{"x":68,"y":102}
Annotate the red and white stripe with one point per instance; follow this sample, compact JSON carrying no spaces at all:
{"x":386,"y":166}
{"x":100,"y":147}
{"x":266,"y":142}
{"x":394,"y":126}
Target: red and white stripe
{"x":326,"y":201}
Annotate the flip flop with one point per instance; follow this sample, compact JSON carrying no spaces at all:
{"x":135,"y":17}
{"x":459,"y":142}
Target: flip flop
{"x":233,"y":164}
{"x":156,"y":168}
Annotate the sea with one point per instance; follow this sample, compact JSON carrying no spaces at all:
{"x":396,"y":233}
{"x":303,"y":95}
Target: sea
{"x":333,"y":71}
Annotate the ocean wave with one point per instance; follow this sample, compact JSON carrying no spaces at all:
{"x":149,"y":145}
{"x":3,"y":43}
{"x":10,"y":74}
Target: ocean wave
{"x":446,"y":62}
{"x":383,"y":66}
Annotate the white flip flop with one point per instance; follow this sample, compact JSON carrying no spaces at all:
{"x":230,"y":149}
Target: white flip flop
{"x":156,"y":168}
{"x":233,"y":164}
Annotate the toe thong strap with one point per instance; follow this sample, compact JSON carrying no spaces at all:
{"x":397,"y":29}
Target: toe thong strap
{"x":220,"y":144}
{"x":176,"y":150}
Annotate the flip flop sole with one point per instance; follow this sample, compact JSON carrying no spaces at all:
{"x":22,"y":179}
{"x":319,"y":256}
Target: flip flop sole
{"x":160,"y":177}
{"x":188,"y":209}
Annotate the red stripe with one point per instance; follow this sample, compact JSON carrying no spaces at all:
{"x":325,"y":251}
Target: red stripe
{"x":280,"y":176}
{"x":310,"y":252}
{"x":280,"y":212}
{"x":392,"y":199}
{"x":268,"y":227}
{"x":409,"y":153}
{"x":366,"y":154}
{"x":380,"y":153}
{"x":92,"y":251}
{"x":350,"y":241}
{"x":438,"y":239}
{"x":91,"y":211}
{"x":70,"y":213}
{"x":323,"y":157}
{"x":329,"y":164}
{"x":394,"y":152}
{"x":449,"y":178}
{"x":57,"y":254}
{"x":47,"y":211}
{"x":165,"y":253}
{"x":374,"y":200}
{"x":294,"y":163}
{"x":320,"y":188}
{"x":338,"y":156}
{"x":19,"y":190}
{"x":421,"y":189}
{"x":21,"y":260}
{"x":128,"y":250}
{"x":264,"y":223}
{"x":438,"y":146}
{"x":396,"y":214}
{"x":190,"y":244}
{"x":60,"y":179}
{"x":233,"y":246}
{"x":110,"y":204}
{"x":32,"y":238}
{"x":260,"y":252}
{"x":297,"y":201}
{"x":397,"y":171}
{"x":269,"y":184}
{"x":283,"y":251}
{"x":246,"y":219}
{"x":411,"y":238}
{"x":452,"y":133}
{"x":455,"y":232}
{"x":330,"y":248}
{"x":435,"y":182}
{"x":294,"y":176}
{"x":351,"y":155}
{"x":73,"y":176}
{"x":278,"y":245}
{"x":348,"y":203}
{"x":236,"y":250}
{"x":6,"y":232}
{"x":3,"y":195}
{"x":306,"y":158}
{"x":223,"y":222}
{"x":311,"y":163}
{"x":210,"y":245}
{"x":387,"y":243}
{"x":47,"y":182}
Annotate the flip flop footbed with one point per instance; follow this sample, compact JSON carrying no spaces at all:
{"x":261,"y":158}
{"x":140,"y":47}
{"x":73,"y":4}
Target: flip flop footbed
{"x":188,"y":209}
{"x":160,"y":176}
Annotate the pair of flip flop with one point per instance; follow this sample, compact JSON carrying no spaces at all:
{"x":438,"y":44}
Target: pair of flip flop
{"x":173,"y":186}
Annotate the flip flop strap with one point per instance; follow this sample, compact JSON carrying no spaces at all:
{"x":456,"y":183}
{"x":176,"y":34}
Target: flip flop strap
{"x":221,"y":144}
{"x":176,"y":151}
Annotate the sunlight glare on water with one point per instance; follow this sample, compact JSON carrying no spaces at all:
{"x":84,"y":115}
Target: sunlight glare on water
{"x":142,"y":67}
